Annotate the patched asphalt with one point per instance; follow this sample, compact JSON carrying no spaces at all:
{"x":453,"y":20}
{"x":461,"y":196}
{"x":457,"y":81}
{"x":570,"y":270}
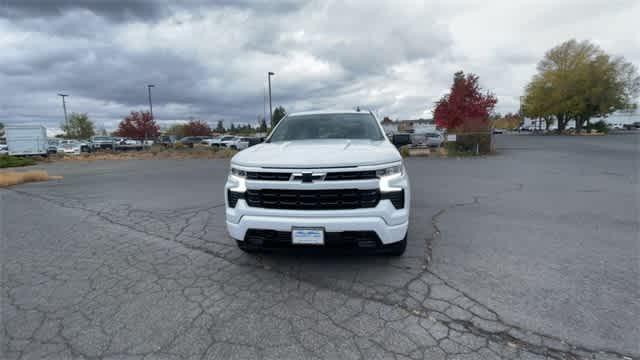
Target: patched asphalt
{"x":532,"y":253}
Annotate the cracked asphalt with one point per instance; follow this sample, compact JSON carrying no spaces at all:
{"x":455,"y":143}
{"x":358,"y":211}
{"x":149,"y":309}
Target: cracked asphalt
{"x":529,"y":254}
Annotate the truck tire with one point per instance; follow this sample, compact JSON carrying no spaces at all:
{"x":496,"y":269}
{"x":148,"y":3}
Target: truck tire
{"x":247,"y":248}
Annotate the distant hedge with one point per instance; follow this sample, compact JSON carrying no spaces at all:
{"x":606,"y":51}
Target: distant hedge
{"x":7,"y":161}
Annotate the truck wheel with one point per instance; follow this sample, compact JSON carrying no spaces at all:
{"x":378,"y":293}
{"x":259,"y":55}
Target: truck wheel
{"x":246,"y":248}
{"x":397,"y":249}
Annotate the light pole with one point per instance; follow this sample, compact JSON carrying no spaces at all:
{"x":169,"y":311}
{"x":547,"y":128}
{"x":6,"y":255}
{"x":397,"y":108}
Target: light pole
{"x":150,"y":104}
{"x":270,"y":108}
{"x":150,"y":111}
{"x":64,"y":107}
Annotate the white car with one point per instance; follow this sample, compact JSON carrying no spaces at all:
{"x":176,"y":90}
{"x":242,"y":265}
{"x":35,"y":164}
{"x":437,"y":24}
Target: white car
{"x":328,"y":179}
{"x":217,"y":142}
{"x":432,"y":139}
{"x":73,"y":147}
{"x":4,"y":149}
{"x":211,"y":141}
{"x":238,"y":143}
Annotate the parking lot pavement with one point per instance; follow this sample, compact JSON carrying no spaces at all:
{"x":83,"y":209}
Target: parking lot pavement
{"x":534,"y":255}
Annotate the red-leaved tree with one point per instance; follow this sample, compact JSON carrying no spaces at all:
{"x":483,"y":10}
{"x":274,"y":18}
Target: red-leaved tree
{"x":138,"y":126}
{"x":197,"y":128}
{"x":465,"y":108}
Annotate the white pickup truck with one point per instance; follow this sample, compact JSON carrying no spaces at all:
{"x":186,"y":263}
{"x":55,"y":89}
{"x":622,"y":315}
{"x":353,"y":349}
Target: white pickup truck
{"x":329,"y":179}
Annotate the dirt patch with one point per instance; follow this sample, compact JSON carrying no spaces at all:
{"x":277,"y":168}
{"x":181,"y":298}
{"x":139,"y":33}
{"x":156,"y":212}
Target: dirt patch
{"x":196,"y":153}
{"x":11,"y":178}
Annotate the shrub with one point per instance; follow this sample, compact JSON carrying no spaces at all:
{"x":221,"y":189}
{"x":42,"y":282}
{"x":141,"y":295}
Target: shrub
{"x":404,"y":151}
{"x":599,"y":126}
{"x":470,"y":143}
{"x":15,"y":178}
{"x":14,"y":161}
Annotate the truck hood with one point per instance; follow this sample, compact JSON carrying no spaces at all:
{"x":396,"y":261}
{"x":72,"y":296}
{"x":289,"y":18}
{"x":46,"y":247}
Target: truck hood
{"x":317,"y":154}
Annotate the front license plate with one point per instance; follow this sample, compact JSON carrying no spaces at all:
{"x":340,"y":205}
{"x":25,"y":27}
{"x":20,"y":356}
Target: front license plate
{"x":308,"y":236}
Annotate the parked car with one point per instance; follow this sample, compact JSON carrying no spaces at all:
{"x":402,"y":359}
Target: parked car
{"x":52,"y":147}
{"x":87,"y":146}
{"x":103,"y":142}
{"x":217,"y":142}
{"x":230,"y":142}
{"x":433,"y":139}
{"x":238,"y":143}
{"x":209,"y":141}
{"x":190,"y":141}
{"x":254,"y":141}
{"x":339,"y":182}
{"x":124,"y":144}
{"x":73,"y":147}
{"x":167,"y":140}
{"x":401,"y":139}
{"x":633,"y":126}
{"x":498,"y":131}
{"x":4,"y":149}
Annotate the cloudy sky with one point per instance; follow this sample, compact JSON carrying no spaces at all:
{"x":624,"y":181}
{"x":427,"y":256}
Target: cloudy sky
{"x":209,"y":59}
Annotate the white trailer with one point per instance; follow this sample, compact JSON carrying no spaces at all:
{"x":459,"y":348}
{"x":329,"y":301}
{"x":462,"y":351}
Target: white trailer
{"x":26,"y":139}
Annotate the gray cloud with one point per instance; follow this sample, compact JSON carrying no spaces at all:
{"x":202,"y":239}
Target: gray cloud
{"x":127,"y":10}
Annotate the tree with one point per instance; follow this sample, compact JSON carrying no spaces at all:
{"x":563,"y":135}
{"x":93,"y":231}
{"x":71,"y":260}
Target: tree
{"x":278,"y":114}
{"x":465,"y":108}
{"x":198,"y":128}
{"x":506,"y":121}
{"x":177,"y":130}
{"x":78,"y":127}
{"x":387,"y":121}
{"x":262,"y":125}
{"x":578,"y":81}
{"x":220,"y":127}
{"x":232,"y":128}
{"x":1,"y":130}
{"x":138,"y":126}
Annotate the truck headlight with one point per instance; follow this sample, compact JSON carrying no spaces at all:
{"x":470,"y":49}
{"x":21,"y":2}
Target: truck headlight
{"x":389,"y":171}
{"x":239,"y":173}
{"x":237,"y":180}
{"x":391,"y":178}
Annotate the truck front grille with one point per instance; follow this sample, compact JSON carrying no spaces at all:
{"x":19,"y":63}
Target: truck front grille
{"x":341,"y":199}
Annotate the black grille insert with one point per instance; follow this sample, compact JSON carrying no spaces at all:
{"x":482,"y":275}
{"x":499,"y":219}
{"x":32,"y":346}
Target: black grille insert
{"x":269,"y":176}
{"x":351,"y":175}
{"x":233,"y":197}
{"x":341,"y":199}
{"x":396,"y":197}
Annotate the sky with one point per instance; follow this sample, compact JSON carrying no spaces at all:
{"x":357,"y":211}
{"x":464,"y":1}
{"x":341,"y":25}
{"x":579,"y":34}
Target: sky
{"x":209,"y":59}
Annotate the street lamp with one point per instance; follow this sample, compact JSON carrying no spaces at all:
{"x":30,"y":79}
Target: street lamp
{"x":270,"y":108}
{"x":150,"y":104}
{"x":150,"y":111}
{"x":64,"y":107}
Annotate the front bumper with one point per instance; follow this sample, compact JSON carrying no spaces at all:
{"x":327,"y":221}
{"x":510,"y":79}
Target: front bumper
{"x":389,"y":224}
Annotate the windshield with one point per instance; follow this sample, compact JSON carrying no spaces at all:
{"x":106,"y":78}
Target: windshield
{"x":327,"y":126}
{"x":228,"y":138}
